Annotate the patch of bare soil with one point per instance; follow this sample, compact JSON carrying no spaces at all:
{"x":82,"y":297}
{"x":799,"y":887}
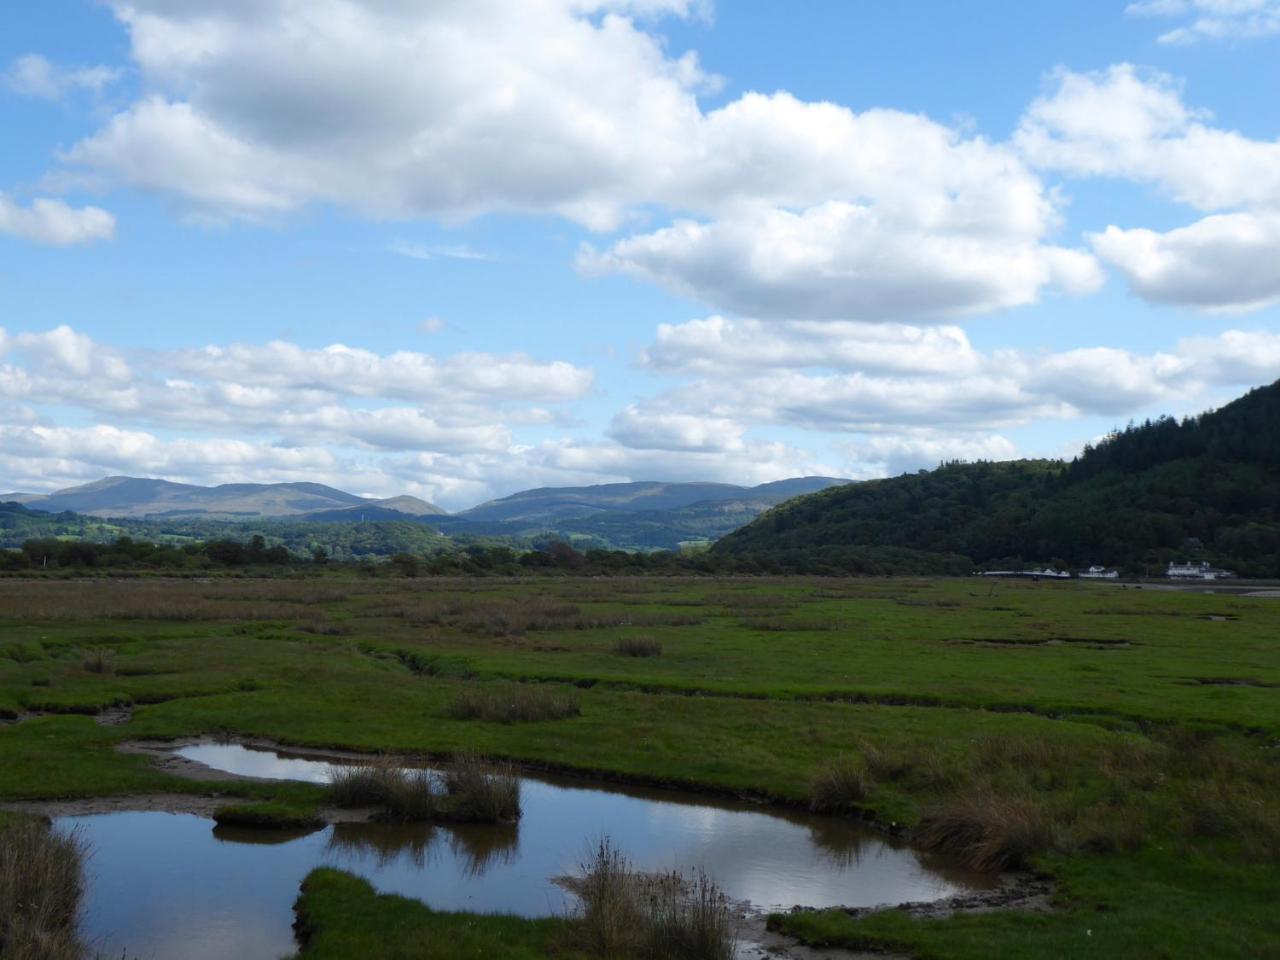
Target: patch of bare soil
{"x":113,"y":716}
{"x":1023,"y":891}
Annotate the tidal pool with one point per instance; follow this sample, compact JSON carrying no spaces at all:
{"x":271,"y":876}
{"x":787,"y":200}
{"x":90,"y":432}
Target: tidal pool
{"x":165,"y":885}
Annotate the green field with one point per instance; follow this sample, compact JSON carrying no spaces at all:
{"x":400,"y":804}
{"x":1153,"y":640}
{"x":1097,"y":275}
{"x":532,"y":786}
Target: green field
{"x":1123,"y":741}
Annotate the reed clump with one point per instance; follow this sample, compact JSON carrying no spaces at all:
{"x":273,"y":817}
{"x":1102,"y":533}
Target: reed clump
{"x":402,"y":793}
{"x":840,"y":787}
{"x":468,"y":789}
{"x":669,"y":916}
{"x":479,"y":792}
{"x":41,"y":882}
{"x":100,"y":660}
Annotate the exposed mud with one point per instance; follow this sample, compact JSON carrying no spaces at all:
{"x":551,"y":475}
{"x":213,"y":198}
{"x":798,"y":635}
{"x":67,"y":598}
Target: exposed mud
{"x":1228,"y":682}
{"x":1021,"y":891}
{"x":113,"y":716}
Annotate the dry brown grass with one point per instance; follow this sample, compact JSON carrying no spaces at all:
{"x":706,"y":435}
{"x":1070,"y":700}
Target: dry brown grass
{"x":840,"y":787}
{"x":668,"y":916}
{"x":638,"y":647}
{"x":988,"y":832}
{"x":41,"y":881}
{"x":513,"y":703}
{"x":481,"y":792}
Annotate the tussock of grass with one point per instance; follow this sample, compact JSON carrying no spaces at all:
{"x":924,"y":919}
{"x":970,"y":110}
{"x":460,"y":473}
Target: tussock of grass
{"x":41,"y":881}
{"x":325,"y":628}
{"x":665,"y":916}
{"x":467,"y":790}
{"x":987,"y":832}
{"x":479,"y":792}
{"x":839,"y":788}
{"x":638,"y":647}
{"x":513,"y":703}
{"x":100,"y":660}
{"x":403,"y":794}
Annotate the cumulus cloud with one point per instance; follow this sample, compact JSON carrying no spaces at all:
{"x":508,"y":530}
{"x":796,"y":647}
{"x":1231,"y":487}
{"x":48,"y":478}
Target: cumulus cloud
{"x":1129,"y":123}
{"x":1132,"y":124}
{"x":845,"y":261}
{"x":334,"y":394}
{"x":719,"y":344}
{"x":54,"y":222}
{"x":1213,"y":19}
{"x":393,"y":110}
{"x":874,"y":457}
{"x":882,"y":380}
{"x":34,"y":76}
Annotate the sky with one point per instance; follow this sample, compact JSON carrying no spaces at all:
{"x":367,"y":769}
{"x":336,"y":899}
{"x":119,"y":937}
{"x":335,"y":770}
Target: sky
{"x":461,"y":248}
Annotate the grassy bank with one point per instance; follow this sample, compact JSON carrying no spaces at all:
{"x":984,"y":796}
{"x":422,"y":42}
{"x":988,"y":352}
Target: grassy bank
{"x":1122,"y":740}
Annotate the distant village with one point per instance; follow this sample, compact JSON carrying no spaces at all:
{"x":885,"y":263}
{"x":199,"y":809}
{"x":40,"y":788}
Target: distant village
{"x":1177,"y":570}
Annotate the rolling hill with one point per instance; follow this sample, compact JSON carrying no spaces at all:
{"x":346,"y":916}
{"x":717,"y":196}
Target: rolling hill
{"x":1206,"y":487}
{"x":136,"y":497}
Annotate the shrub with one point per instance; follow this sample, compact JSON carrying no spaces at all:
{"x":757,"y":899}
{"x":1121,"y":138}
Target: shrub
{"x":638,"y":647}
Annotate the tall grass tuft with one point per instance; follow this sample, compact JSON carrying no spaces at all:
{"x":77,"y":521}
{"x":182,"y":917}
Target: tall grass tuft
{"x":513,"y":703}
{"x":404,"y":794}
{"x":638,"y":647}
{"x":839,"y":788}
{"x":650,"y":917}
{"x":987,"y":831}
{"x":100,"y":660}
{"x":479,"y":792}
{"x":41,"y":881}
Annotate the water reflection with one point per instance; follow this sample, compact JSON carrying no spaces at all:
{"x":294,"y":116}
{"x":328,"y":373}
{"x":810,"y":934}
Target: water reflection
{"x":167,"y":885}
{"x":383,"y":843}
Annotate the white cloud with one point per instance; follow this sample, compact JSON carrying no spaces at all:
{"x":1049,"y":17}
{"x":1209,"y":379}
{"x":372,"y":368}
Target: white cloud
{"x":893,"y":381}
{"x":1213,"y":19}
{"x":873,"y":457}
{"x":1132,"y":124}
{"x":645,"y":430}
{"x":34,"y":76}
{"x":1227,"y":263}
{"x":1128,"y":124}
{"x":718,"y":344}
{"x":845,"y":261}
{"x":576,"y":108}
{"x":423,"y":251}
{"x":54,"y":222}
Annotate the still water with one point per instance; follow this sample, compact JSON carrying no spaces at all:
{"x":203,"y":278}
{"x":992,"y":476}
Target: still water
{"x":165,"y":885}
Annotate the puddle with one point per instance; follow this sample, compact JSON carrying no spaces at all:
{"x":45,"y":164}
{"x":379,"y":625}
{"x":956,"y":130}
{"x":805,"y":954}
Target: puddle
{"x":166,"y":885}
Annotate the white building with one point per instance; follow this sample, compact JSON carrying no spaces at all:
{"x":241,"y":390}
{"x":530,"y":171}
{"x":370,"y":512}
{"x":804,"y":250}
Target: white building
{"x":1195,"y":570}
{"x":1100,"y":573}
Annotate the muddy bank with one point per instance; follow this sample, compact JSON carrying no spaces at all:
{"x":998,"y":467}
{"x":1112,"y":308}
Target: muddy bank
{"x":1019,"y":891}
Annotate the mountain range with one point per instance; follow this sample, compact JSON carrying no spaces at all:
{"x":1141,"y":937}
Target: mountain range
{"x":640,"y":515}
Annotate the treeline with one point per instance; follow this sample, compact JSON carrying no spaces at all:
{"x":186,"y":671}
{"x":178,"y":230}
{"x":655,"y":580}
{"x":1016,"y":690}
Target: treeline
{"x":127,"y":553}
{"x":1203,"y":488}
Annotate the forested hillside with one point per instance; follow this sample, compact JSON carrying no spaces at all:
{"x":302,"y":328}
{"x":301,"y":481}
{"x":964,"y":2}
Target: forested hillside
{"x":1208,"y":487}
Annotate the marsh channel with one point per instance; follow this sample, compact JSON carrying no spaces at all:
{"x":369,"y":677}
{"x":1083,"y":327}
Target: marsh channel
{"x":174,"y":885}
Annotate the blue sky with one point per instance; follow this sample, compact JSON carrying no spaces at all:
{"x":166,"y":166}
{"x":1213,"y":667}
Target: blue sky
{"x":458,"y":250}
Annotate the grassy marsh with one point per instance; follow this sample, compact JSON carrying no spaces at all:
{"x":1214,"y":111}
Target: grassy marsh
{"x":1121,"y":739}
